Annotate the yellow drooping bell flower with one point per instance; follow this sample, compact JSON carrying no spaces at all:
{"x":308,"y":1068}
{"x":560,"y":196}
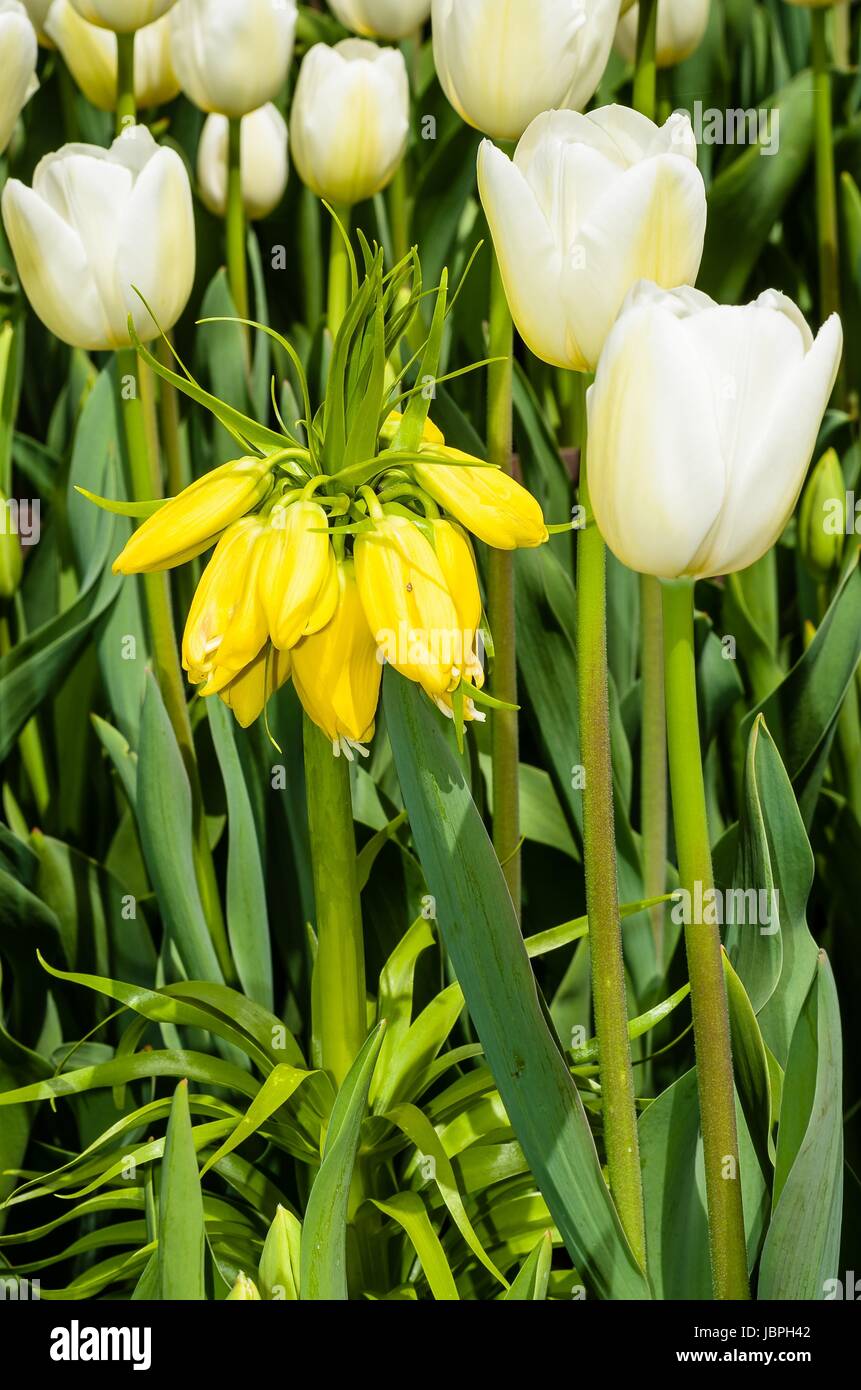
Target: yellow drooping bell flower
{"x":337,"y":673}
{"x":457,"y":563}
{"x":249,"y":692}
{"x":226,"y":626}
{"x":190,"y":523}
{"x":489,"y":503}
{"x":298,"y":577}
{"x":408,"y":604}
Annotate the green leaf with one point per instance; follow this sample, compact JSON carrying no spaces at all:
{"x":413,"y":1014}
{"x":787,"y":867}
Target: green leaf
{"x":533,"y":1276}
{"x":280,"y":1261}
{"x":408,"y":1210}
{"x":324,"y":1231}
{"x":802,"y":1248}
{"x":276,"y":1090}
{"x":181,"y":1226}
{"x":751,"y":1070}
{"x":482,"y":935}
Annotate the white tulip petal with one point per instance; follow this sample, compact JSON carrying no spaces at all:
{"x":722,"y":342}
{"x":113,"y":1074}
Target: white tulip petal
{"x":162,"y":198}
{"x":19,"y":51}
{"x":265,"y":163}
{"x":123,"y":16}
{"x":382,"y":19}
{"x":682,"y":25}
{"x":232,"y":56}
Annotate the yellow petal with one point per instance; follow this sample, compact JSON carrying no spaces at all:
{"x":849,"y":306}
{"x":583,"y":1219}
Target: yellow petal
{"x":337,"y":672}
{"x":489,"y":503}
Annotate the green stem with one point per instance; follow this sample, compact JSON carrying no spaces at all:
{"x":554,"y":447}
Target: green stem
{"x":505,"y":735}
{"x":339,"y":271}
{"x":399,"y":212}
{"x":126,"y":104}
{"x":311,"y":257}
{"x":164,"y":651}
{"x":703,"y":945}
{"x":826,"y":189}
{"x":619,"y":1113}
{"x":646,"y":67}
{"x":237,"y":266}
{"x":339,"y":975}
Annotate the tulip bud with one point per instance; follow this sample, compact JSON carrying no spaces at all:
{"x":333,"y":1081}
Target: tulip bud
{"x":11,"y":558}
{"x":350,"y":119}
{"x":588,"y":206}
{"x":244,"y":1290}
{"x":232,"y":56}
{"x":95,"y":223}
{"x":280,"y":1259}
{"x":90,"y":54}
{"x":702,"y":422}
{"x":382,"y":19}
{"x":336,"y":671}
{"x":502,"y":65}
{"x":408,"y":605}
{"x":264,"y":161}
{"x":298,"y":575}
{"x":190,"y":523}
{"x":226,"y":625}
{"x":123,"y":16}
{"x":489,"y":503}
{"x":19,"y":50}
{"x":681,"y":29}
{"x":822,"y":518}
{"x":248,"y":693}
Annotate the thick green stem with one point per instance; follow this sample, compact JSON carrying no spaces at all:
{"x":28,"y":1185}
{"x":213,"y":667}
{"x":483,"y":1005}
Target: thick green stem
{"x":646,"y":68}
{"x":164,"y":651}
{"x":126,"y":104}
{"x":703,"y":945}
{"x":311,"y":257}
{"x":339,"y":271}
{"x":505,"y":734}
{"x":237,"y":266}
{"x":339,"y":976}
{"x":399,"y":212}
{"x":826,"y":189}
{"x":618,"y":1108}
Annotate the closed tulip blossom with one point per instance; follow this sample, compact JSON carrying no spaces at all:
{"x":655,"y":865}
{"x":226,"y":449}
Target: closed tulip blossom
{"x":96,"y":223}
{"x":681,"y":29}
{"x":19,"y":52}
{"x":90,"y":53}
{"x":232,"y":56}
{"x":382,"y":19}
{"x":588,"y":206}
{"x":502,"y":65}
{"x":350,"y":119}
{"x":123,"y":16}
{"x":264,"y":162}
{"x":702,"y":422}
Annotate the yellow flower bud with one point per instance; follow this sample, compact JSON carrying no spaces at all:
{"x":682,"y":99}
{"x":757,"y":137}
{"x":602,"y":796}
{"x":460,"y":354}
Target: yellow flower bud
{"x":226,"y":625}
{"x":408,"y":605}
{"x":485,"y":500}
{"x":822,"y":518}
{"x":244,"y":1290}
{"x":249,"y":692}
{"x":298,"y":575}
{"x":190,"y":523}
{"x":337,"y":672}
{"x":11,"y":558}
{"x":457,"y":563}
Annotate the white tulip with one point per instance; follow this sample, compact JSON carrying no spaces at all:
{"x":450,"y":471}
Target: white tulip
{"x":264,"y":161}
{"x":382,"y":19}
{"x":502,"y":65}
{"x":19,"y":52}
{"x":123,"y":16}
{"x":90,"y":54}
{"x":702,"y":423}
{"x":37,"y":10}
{"x":588,"y":206}
{"x":681,"y":29}
{"x":232,"y":56}
{"x":350,"y":119}
{"x":95,"y":223}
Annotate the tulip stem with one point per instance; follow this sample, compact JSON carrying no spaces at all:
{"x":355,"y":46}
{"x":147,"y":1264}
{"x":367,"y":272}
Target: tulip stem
{"x":164,"y":654}
{"x":703,"y":945}
{"x":619,"y":1112}
{"x":646,"y":67}
{"x":505,"y":734}
{"x":339,"y":270}
{"x":826,"y":190}
{"x":126,"y":104}
{"x":237,"y":266}
{"x":341,"y":1023}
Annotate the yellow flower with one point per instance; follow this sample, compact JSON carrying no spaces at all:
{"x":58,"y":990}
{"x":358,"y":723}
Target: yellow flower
{"x":486,"y":500}
{"x":337,"y":673}
{"x":457,"y":563}
{"x":408,"y":605}
{"x":226,"y":626}
{"x":298,"y":576}
{"x":248,"y":693}
{"x":190,"y":523}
